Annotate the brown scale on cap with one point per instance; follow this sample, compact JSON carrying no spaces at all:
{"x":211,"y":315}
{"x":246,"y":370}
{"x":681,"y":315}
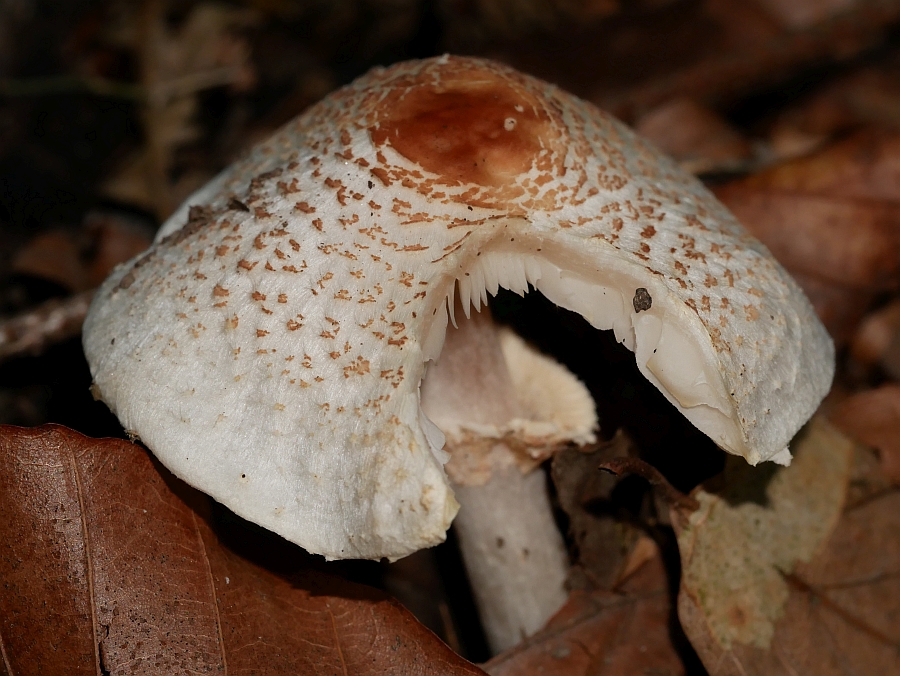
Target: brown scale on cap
{"x":369,"y":209}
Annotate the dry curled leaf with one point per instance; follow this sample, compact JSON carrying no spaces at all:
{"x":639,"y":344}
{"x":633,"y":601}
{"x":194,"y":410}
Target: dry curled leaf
{"x":877,"y":340}
{"x":808,"y":233}
{"x":768,"y":597}
{"x":864,"y":166}
{"x":868,"y":96}
{"x":840,"y":617}
{"x":695,"y":136}
{"x":800,"y":210}
{"x":53,"y":256}
{"x":600,"y":541}
{"x":873,"y":417}
{"x":106,"y":569}
{"x":603,"y":633}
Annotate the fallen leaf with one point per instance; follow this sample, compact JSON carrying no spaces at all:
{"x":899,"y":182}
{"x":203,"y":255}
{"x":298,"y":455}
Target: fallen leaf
{"x":800,"y":211}
{"x":764,"y":593}
{"x":873,"y":417}
{"x":877,"y":340}
{"x":735,"y":49}
{"x":863,"y":166}
{"x":716,"y":53}
{"x":601,"y":541}
{"x":54,"y":256}
{"x":603,"y":633}
{"x":808,"y":233}
{"x":736,"y":546}
{"x":798,"y":14}
{"x":695,"y":136}
{"x":868,"y":96}
{"x":106,"y":569}
{"x":840,"y":617}
{"x":840,"y":308}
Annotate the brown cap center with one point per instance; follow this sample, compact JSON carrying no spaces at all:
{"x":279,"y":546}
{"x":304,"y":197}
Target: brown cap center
{"x":474,"y":129}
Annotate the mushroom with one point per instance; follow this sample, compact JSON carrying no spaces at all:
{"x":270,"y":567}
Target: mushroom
{"x":504,"y":408}
{"x":269,"y":347}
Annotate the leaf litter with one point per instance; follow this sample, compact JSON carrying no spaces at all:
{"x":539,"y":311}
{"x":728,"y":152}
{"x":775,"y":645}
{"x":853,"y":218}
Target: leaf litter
{"x":106,"y":568}
{"x":873,"y":417}
{"x":618,"y":617}
{"x":795,"y":570}
{"x":841,"y":609}
{"x":603,"y":633}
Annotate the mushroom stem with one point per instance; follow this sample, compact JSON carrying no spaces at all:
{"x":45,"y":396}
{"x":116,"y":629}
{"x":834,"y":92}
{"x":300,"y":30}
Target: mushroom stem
{"x":513,"y":551}
{"x":514,"y":554}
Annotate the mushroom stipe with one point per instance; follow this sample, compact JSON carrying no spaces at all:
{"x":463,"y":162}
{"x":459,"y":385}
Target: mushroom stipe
{"x":271,"y":344}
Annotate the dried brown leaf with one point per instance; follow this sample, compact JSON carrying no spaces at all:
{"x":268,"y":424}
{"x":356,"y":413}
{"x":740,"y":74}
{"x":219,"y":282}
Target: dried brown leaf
{"x":695,"y":136}
{"x":603,"y":633}
{"x":762,"y":610}
{"x":840,"y":308}
{"x":715,"y":53}
{"x":798,"y":14}
{"x":840,"y":617}
{"x":735,"y":49}
{"x":601,"y":542}
{"x":765,"y":519}
{"x":801,"y":209}
{"x":54,"y":256}
{"x":864,"y":166}
{"x":869,"y":96}
{"x":873,"y":417}
{"x":106,"y":569}
{"x":808,"y":233}
{"x":878,"y":339}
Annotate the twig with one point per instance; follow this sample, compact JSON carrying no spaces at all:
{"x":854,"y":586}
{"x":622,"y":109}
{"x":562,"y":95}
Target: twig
{"x":620,"y":466}
{"x":61,"y":84}
{"x":52,"y":322}
{"x":158,"y":153}
{"x":161,"y":94}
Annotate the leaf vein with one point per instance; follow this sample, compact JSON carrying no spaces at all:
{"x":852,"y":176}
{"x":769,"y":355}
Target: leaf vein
{"x":70,"y":457}
{"x":212,"y":587}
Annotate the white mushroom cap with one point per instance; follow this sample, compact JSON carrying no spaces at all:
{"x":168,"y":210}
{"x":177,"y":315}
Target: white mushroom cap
{"x":269,"y":347}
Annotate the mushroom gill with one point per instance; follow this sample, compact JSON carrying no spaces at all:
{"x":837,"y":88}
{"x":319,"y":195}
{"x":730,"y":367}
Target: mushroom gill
{"x":640,"y":312}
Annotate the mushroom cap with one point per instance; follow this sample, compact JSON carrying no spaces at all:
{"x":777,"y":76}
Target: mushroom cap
{"x":270,"y":346}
